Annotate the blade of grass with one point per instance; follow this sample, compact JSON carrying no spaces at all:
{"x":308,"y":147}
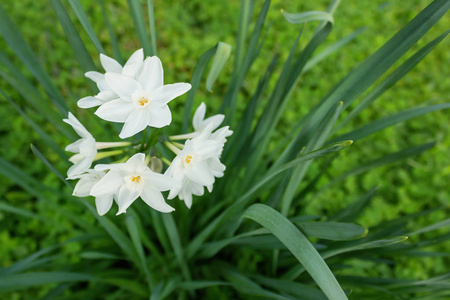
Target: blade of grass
{"x":195,"y":83}
{"x":112,"y":35}
{"x":137,"y":15}
{"x":388,"y":121}
{"x":78,"y":47}
{"x":45,"y":137}
{"x":308,"y":16}
{"x":14,"y":39}
{"x":333,"y":230}
{"x":220,"y":58}
{"x":299,"y":246}
{"x":135,"y":238}
{"x":392,"y":79}
{"x":152,"y":27}
{"x":81,"y":15}
{"x":197,"y":242}
{"x":174,"y":238}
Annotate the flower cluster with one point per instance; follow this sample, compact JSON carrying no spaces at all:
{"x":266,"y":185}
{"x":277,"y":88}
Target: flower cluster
{"x":134,"y":94}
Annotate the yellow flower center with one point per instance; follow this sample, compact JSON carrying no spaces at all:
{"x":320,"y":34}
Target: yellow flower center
{"x":143,"y":101}
{"x":188,"y":159}
{"x":136,"y":179}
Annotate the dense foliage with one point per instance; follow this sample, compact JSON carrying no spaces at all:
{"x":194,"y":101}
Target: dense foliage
{"x":210,"y":244}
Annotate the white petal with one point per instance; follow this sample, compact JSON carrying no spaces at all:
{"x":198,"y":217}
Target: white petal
{"x":74,"y":147}
{"x":167,"y":92}
{"x":160,"y":182}
{"x":103,"y":204}
{"x":77,"y":126}
{"x":125,"y":198}
{"x":106,"y":96}
{"x":115,"y":110}
{"x":104,"y":167}
{"x":88,"y":102}
{"x":84,"y":185}
{"x":108,"y":185}
{"x":109,"y":64}
{"x":187,"y":198}
{"x":122,"y":85}
{"x":136,"y":163}
{"x":159,"y":116}
{"x":199,"y":115}
{"x":151,"y":76}
{"x":136,"y":122}
{"x":136,"y":58}
{"x":215,"y":120}
{"x":95,"y":76}
{"x":200,"y":173}
{"x":155,"y":200}
{"x":79,"y":168}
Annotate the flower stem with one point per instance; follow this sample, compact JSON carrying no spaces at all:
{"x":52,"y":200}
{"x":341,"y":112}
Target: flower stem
{"x":101,"y":155}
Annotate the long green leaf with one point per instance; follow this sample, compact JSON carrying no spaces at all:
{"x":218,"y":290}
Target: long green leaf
{"x":196,"y":243}
{"x":381,"y":124}
{"x":12,"y":36}
{"x":299,"y":246}
{"x":333,"y":230}
{"x":373,"y":67}
{"x":331,"y":49}
{"x":81,"y":15}
{"x":112,"y":35}
{"x":388,"y":159}
{"x":176,"y":244}
{"x":393,"y":78}
{"x":133,"y":230}
{"x":195,"y":83}
{"x":352,"y":211}
{"x":21,"y":178}
{"x":38,"y":129}
{"x":22,"y":281}
{"x":152,"y":27}
{"x":220,"y":58}
{"x":309,"y":16}
{"x":78,"y":47}
{"x":137,"y":15}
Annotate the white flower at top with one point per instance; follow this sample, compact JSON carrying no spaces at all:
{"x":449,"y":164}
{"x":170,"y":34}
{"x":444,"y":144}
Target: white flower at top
{"x":131,"y":69}
{"x":84,"y":148}
{"x":196,"y":166}
{"x":142,"y":101}
{"x":132,"y":179}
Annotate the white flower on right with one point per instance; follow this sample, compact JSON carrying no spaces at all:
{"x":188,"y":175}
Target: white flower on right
{"x":132,"y":179}
{"x":131,"y":69}
{"x":142,"y":101}
{"x":196,"y":166}
{"x":84,"y":148}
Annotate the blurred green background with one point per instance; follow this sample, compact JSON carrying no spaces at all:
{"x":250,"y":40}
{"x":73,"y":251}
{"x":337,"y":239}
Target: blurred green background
{"x":186,"y":29}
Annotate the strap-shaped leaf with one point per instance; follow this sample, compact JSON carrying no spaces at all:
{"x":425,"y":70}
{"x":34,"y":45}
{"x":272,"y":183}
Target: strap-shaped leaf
{"x":308,"y":16}
{"x":334,"y":231}
{"x":81,"y":15}
{"x":12,"y":36}
{"x":197,"y":242}
{"x":299,"y":246}
{"x":220,"y":58}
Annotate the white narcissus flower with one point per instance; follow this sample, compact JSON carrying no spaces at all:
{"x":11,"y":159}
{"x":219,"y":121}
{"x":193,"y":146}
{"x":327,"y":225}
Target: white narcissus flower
{"x":196,"y":166}
{"x":84,"y":186}
{"x":132,"y":179}
{"x":84,"y":147}
{"x":143,"y":101}
{"x":131,"y":69}
{"x":200,"y":123}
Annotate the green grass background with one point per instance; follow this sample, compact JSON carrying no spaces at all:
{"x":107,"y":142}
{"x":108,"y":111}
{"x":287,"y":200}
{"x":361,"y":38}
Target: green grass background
{"x":185,"y":29}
